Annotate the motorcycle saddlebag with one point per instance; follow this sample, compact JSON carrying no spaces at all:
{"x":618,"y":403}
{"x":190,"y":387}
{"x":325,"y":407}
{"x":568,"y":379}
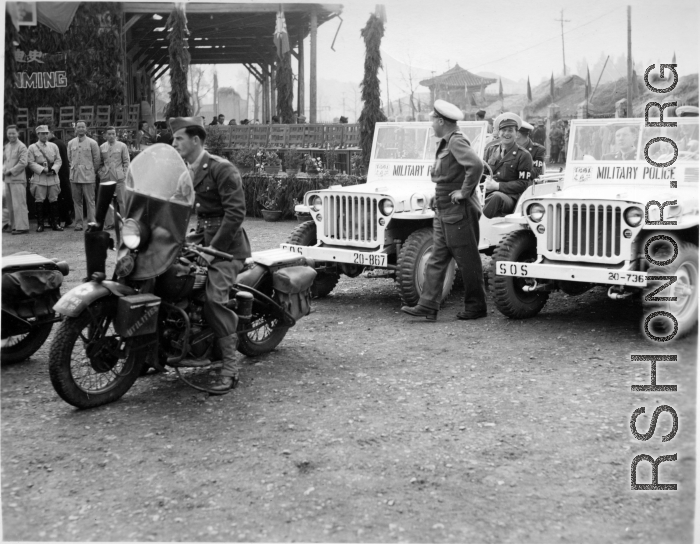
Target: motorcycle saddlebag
{"x":28,"y":284}
{"x":293,"y":286}
{"x":137,"y":315}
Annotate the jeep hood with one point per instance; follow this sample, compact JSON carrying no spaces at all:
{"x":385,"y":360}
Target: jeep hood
{"x":628,"y":193}
{"x":397,"y":190}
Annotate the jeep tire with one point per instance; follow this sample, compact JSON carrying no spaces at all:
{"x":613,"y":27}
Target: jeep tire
{"x":506,"y":291}
{"x":413,"y":257}
{"x":305,"y":235}
{"x":685,"y":289}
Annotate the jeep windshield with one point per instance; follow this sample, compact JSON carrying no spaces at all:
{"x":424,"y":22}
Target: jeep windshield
{"x":624,"y":140}
{"x":407,"y":150}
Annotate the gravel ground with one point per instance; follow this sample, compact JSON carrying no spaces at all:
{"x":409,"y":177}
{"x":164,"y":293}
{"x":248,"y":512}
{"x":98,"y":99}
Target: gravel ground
{"x":364,"y":425}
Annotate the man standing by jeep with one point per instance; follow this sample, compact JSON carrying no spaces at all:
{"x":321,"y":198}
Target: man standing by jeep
{"x":456,"y":174}
{"x":511,"y":166}
{"x":220,"y":208}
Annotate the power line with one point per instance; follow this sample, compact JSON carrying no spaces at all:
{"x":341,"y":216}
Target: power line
{"x":543,"y":42}
{"x":562,"y":21}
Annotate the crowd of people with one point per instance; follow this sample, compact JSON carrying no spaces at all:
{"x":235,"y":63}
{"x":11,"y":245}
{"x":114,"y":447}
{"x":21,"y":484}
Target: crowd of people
{"x":62,"y":177}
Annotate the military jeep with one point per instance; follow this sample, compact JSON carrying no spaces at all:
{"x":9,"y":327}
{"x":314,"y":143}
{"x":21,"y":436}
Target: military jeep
{"x":385,"y":225}
{"x":598,"y":228}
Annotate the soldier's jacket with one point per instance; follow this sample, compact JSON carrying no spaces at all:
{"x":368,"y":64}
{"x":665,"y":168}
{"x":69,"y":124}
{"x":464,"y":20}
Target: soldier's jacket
{"x":456,"y":167}
{"x":513,"y":170}
{"x":537,"y":153}
{"x":219,"y":193}
{"x":621,"y":155}
{"x":40,"y":153}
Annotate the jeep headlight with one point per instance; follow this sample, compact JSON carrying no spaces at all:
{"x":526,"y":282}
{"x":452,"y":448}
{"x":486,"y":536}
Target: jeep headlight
{"x":633,"y":216}
{"x":315,"y":203}
{"x":535,"y":212}
{"x":386,"y":206}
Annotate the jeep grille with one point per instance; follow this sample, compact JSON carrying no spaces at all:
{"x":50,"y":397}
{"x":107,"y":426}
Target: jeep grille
{"x":585,"y":232}
{"x":350,"y":219}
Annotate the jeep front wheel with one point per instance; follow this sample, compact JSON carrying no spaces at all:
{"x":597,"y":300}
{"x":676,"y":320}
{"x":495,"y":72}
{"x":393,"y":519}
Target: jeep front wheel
{"x":685,"y":290}
{"x":507,"y":291}
{"x":325,"y":282}
{"x":412,"y":260}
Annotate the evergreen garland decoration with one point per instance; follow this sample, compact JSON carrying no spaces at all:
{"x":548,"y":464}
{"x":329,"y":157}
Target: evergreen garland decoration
{"x":371,"y":95}
{"x":285,"y":88}
{"x":89,"y":53}
{"x":178,"y":48}
{"x":11,"y":36}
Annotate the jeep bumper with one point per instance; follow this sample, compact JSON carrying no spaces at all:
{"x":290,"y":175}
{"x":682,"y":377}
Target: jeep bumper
{"x":338,"y":255}
{"x":585,"y":274}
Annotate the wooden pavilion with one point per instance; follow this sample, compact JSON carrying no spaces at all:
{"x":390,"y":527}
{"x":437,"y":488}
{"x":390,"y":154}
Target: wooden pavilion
{"x":223,"y":33}
{"x":460,"y":87}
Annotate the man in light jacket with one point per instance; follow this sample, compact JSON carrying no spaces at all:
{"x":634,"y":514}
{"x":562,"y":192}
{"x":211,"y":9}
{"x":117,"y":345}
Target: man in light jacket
{"x":84,"y":157}
{"x":15,"y":178}
{"x":114,"y":166}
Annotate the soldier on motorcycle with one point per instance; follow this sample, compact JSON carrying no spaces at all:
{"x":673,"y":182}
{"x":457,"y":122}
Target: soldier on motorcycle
{"x":220,"y":208}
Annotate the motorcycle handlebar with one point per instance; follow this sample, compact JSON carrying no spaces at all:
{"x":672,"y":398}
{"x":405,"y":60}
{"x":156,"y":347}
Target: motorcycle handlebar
{"x":213,"y":252}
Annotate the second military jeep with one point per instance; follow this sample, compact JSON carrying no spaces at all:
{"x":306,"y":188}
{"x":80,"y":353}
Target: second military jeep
{"x":615,"y":221}
{"x":386,"y":224}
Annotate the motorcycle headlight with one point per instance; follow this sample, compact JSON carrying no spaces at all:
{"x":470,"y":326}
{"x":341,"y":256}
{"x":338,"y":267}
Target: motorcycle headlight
{"x":315,"y":203}
{"x":633,"y":216}
{"x":134,"y":234}
{"x":535,"y":212}
{"x":386,"y":206}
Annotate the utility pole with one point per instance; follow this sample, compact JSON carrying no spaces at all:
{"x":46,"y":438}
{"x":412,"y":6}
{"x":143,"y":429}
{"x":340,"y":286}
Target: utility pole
{"x":388,"y":100}
{"x":562,"y":21}
{"x":629,"y":61}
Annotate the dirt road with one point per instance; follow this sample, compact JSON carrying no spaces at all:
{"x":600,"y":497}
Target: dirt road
{"x":365,"y":425}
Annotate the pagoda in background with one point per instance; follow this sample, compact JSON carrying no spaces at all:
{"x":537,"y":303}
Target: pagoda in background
{"x":459,"y":87}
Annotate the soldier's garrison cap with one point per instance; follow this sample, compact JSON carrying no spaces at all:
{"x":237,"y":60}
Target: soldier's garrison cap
{"x":176,"y":123}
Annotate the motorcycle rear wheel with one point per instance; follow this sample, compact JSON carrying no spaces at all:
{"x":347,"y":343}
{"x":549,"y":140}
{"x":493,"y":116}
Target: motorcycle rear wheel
{"x":261,"y":340}
{"x":23,"y":346}
{"x":87,"y":381}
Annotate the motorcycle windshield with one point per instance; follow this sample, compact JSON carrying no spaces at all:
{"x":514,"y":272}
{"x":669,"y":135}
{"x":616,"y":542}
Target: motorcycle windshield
{"x":159,"y":195}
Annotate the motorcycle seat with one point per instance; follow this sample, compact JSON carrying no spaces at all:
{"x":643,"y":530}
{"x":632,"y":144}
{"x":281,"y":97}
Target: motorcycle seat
{"x":278,"y":257}
{"x":25,"y":260}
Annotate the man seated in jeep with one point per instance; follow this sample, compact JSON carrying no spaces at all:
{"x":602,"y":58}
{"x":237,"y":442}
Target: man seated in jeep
{"x":511,"y":166}
{"x":625,"y":140}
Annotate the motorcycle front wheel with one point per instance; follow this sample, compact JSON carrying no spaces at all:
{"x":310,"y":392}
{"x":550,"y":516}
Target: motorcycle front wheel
{"x":87,"y":361}
{"x":22,"y":346}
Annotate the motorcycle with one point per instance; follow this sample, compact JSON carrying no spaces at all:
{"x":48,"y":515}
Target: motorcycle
{"x":31,"y":285}
{"x":150,"y":312}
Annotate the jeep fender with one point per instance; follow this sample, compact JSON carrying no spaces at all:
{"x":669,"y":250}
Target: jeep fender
{"x":75,"y":301}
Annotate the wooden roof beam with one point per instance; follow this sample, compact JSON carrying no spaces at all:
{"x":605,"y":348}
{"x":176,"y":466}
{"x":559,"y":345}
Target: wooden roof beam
{"x":131,"y":22}
{"x":150,"y":8}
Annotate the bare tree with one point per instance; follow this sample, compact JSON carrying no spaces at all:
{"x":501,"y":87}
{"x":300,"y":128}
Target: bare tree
{"x":411,"y":84}
{"x":201,"y":84}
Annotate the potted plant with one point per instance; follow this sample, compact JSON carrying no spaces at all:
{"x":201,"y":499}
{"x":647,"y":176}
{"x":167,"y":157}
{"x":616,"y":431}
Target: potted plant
{"x":313,"y":165}
{"x":356,"y":166}
{"x":271,"y":200}
{"x":332,"y":161}
{"x":244,"y":159}
{"x":271,"y":162}
{"x":293,"y":160}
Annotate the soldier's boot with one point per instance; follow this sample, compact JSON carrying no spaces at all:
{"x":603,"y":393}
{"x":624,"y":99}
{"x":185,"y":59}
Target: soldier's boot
{"x":228,"y":379}
{"x":54,"y":217}
{"x":39,"y":209}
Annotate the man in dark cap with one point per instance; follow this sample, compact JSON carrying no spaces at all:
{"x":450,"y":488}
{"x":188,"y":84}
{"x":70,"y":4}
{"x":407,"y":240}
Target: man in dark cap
{"x":220,"y":208}
{"x":456,"y":174}
{"x":511,"y":166}
{"x":539,"y":135}
{"x":537,"y":151}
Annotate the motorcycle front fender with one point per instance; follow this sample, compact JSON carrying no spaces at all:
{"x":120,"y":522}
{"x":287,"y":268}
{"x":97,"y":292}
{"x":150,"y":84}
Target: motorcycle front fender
{"x":75,"y":301}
